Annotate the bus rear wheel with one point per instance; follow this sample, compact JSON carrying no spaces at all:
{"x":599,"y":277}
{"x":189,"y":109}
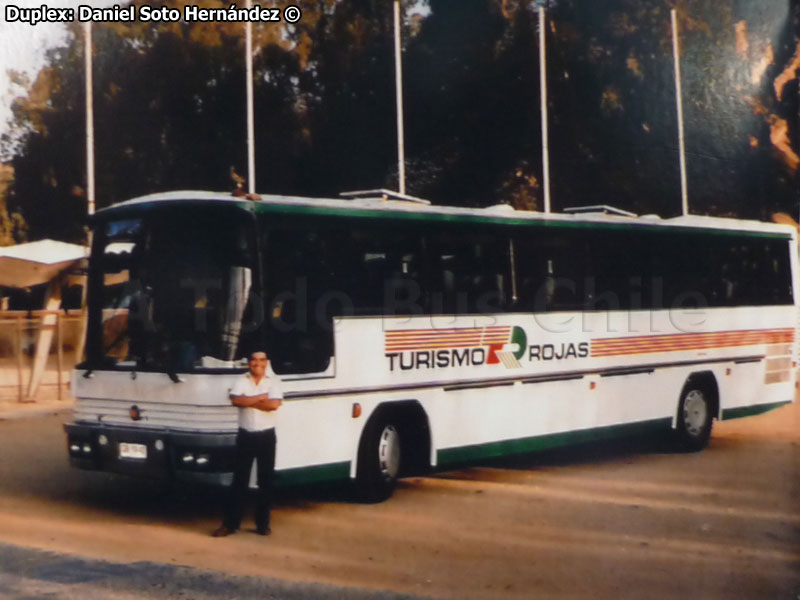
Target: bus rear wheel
{"x":379,"y":459}
{"x":695,"y":417}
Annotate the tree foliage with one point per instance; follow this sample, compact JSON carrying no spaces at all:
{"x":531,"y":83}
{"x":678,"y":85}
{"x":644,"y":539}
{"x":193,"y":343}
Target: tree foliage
{"x":12,"y":226}
{"x":169,"y":107}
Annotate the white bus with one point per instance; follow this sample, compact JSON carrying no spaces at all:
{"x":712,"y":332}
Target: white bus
{"x":409,"y":336}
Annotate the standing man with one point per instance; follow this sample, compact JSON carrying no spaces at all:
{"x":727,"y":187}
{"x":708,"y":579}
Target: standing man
{"x":258,"y":397}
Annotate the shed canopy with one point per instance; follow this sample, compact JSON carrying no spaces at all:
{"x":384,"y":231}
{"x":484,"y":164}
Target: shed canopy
{"x":33,"y":263}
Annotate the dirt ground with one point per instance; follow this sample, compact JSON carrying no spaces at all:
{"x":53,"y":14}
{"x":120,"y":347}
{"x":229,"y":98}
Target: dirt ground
{"x":625,"y":519}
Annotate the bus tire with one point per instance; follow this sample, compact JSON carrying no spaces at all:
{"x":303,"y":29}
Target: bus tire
{"x":695,"y":416}
{"x":379,"y":458}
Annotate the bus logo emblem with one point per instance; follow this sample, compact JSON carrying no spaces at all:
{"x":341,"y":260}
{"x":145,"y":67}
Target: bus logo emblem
{"x":463,"y":346}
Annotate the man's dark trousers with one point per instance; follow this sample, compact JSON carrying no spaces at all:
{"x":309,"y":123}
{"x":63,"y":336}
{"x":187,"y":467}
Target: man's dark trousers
{"x":259,"y":445}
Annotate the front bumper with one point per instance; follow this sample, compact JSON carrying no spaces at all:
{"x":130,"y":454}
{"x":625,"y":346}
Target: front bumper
{"x":200,"y":457}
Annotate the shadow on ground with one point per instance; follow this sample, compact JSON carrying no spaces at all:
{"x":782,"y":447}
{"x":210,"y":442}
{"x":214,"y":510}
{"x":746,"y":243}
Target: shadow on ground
{"x":38,"y":467}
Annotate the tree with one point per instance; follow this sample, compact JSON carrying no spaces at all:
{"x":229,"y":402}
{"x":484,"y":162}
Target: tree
{"x":172,"y":118}
{"x":169,"y":102}
{"x":12,"y":225}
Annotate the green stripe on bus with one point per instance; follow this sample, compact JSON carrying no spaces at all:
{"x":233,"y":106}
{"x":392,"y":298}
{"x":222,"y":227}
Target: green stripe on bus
{"x":122,"y":210}
{"x":749,"y":411}
{"x":315,"y":474}
{"x":490,"y":218}
{"x":465,"y":454}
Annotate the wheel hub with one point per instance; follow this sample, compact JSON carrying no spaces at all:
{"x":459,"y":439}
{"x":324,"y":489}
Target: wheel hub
{"x":389,"y":452}
{"x":695,"y":412}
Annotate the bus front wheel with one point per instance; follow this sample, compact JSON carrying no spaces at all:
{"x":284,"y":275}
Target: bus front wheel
{"x":379,"y":458}
{"x":695,"y":417}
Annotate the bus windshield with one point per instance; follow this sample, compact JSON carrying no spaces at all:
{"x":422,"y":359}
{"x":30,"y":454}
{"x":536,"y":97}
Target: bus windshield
{"x":175,"y":290}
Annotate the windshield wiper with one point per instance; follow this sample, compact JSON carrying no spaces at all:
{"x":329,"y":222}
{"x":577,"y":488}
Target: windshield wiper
{"x":174,"y":377}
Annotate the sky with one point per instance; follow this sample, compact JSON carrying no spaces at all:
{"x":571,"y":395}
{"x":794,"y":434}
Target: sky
{"x":23,"y":47}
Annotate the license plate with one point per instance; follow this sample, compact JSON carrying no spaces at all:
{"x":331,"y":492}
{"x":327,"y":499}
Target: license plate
{"x":136,"y":451}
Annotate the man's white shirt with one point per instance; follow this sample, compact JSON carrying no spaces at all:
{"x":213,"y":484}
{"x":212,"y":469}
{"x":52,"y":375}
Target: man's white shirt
{"x":252,"y":419}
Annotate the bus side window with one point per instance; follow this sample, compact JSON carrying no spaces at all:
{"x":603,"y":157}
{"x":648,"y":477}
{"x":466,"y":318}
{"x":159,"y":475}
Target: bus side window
{"x":468,"y":273}
{"x":756,"y":273}
{"x":778,"y":273}
{"x":551,"y":271}
{"x":383,"y":270}
{"x":734,"y":259}
{"x":772,"y":281}
{"x":298,"y":276}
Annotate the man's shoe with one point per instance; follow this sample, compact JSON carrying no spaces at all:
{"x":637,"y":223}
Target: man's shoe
{"x":222,"y":531}
{"x":263,"y":530}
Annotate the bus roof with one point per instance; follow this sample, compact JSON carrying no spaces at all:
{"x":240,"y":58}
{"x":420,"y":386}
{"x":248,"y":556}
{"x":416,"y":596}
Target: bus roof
{"x":382,"y":208}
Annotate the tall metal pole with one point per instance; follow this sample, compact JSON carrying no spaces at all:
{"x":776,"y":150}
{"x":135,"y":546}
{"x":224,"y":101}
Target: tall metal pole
{"x":543,"y":101}
{"x":90,"y":189}
{"x":87,"y":40}
{"x":251,"y":150}
{"x":679,"y":103}
{"x":398,"y":79}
